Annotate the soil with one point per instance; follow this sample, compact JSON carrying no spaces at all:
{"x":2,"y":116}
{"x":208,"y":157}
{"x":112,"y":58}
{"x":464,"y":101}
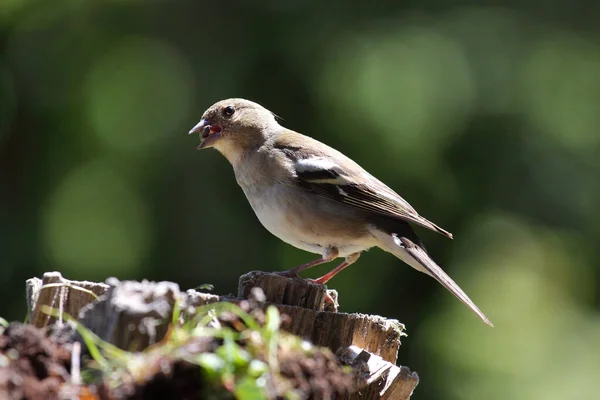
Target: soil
{"x":31,"y":366}
{"x":34,"y":366}
{"x":316,"y":377}
{"x":177,"y":379}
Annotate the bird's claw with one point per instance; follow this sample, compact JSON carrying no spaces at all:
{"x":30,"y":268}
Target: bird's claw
{"x":315,"y":281}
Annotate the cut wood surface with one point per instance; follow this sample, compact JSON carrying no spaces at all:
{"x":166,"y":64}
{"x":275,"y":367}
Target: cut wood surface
{"x":133,"y":315}
{"x":65,"y":296}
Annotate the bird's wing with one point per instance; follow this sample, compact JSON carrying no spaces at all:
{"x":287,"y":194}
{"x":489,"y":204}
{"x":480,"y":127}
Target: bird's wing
{"x":330,"y":174}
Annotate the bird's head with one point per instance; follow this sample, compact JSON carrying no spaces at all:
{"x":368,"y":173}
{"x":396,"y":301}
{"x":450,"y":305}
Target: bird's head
{"x":234,"y":125}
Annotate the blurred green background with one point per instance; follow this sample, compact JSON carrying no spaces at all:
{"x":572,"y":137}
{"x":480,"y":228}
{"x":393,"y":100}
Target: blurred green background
{"x":484,"y":115}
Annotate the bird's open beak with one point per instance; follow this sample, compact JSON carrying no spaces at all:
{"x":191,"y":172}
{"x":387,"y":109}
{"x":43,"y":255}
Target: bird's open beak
{"x":209,"y":133}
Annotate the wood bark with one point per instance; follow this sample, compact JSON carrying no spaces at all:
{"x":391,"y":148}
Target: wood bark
{"x":133,"y":315}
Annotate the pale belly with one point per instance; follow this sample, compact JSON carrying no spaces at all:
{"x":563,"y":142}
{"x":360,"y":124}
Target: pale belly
{"x":314,"y":235}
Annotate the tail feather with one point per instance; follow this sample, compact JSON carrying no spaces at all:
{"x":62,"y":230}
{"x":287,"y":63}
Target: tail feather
{"x":417,"y":258}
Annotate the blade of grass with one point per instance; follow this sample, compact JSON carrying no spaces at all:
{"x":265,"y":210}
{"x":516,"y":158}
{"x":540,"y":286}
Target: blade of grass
{"x":220,"y":308}
{"x":86,"y":335}
{"x":71,"y":286}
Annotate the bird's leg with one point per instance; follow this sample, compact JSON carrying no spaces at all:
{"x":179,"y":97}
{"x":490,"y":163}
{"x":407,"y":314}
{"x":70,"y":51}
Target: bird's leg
{"x":328,"y":255}
{"x":351,"y":259}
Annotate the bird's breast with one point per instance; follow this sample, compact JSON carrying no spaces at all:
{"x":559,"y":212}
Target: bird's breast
{"x":280,"y":218}
{"x":305,"y":221}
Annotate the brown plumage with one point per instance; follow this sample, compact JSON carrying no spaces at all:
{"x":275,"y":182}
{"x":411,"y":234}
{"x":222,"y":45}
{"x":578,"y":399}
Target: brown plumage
{"x":314,"y":197}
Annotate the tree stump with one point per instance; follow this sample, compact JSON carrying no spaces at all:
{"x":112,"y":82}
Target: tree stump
{"x":135,"y":315}
{"x":65,"y":296}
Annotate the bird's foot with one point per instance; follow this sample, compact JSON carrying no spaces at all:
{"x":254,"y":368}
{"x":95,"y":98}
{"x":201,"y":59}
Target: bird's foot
{"x":291,"y":273}
{"x":330,"y":300}
{"x":321,"y":281}
{"x":318,"y":281}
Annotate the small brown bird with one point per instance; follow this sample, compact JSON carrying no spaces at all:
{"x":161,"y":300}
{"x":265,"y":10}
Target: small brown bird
{"x":315,"y":198}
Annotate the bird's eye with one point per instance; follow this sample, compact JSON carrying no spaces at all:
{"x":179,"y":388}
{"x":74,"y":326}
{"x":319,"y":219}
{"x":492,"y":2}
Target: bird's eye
{"x":228,"y":111}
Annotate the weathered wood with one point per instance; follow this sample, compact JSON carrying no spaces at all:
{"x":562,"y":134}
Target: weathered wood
{"x":134,"y":315}
{"x":303,"y":302}
{"x":195,"y":298}
{"x":286,"y":291}
{"x":373,"y":333}
{"x":377,"y":378}
{"x":61,"y":294}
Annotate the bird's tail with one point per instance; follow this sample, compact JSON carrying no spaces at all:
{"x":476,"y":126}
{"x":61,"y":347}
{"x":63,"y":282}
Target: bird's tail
{"x":416,"y":257}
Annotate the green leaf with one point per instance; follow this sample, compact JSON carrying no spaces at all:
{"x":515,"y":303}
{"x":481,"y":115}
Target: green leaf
{"x":251,"y":389}
{"x":206,"y":286}
{"x":257,"y":368}
{"x":233,"y":354}
{"x":211,"y":362}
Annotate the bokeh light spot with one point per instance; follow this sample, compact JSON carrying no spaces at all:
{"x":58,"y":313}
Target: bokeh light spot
{"x":411,"y":87}
{"x":139,"y":92}
{"x":562,"y":90}
{"x":96,"y":222}
{"x":521,"y":278}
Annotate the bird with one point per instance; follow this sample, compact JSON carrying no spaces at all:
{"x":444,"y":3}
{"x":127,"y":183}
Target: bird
{"x":315,"y":198}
